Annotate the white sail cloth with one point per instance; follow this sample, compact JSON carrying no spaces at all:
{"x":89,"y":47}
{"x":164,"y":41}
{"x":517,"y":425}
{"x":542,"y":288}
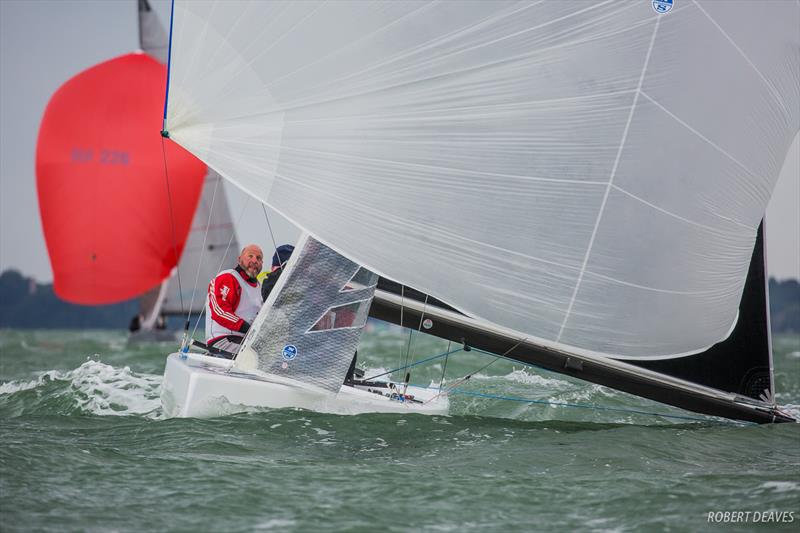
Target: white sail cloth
{"x":590,"y":174}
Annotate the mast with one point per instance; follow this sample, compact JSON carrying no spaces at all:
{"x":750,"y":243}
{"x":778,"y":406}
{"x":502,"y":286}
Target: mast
{"x":211,"y":243}
{"x":152,"y":37}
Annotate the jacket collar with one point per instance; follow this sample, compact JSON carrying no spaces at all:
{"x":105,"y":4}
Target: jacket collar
{"x":245,"y":276}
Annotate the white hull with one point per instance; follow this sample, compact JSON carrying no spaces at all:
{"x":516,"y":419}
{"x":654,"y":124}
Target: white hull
{"x":197,"y":385}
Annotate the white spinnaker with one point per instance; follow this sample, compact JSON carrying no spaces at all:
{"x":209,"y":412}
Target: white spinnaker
{"x":591,"y":174}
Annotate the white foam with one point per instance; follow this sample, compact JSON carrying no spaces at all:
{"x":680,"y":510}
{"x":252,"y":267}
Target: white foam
{"x":275,"y":523}
{"x":781,"y":486}
{"x":11,"y":387}
{"x":115,"y":391}
{"x":524,"y":377}
{"x":101,"y":389}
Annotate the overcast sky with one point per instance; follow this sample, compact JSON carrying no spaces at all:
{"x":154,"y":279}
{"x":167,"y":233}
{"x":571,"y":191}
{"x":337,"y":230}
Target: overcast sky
{"x":44,"y":43}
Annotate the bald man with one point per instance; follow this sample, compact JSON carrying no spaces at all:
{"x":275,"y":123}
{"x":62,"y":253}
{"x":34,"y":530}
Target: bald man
{"x":234,"y":299}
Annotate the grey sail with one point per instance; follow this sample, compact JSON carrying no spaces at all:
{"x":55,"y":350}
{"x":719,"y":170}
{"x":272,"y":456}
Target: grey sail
{"x":151,"y":305}
{"x":309,"y":328}
{"x":210,"y":247}
{"x":152,"y":37}
{"x":211,"y":244}
{"x":152,"y":41}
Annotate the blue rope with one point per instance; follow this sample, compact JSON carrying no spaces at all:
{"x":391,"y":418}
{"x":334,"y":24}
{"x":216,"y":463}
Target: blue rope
{"x":526,"y":400}
{"x":169,"y":63}
{"x":415,"y":364}
{"x":582,"y":406}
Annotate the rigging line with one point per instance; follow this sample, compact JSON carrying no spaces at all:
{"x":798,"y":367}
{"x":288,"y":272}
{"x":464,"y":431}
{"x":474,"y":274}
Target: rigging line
{"x":524,"y":363}
{"x":578,"y":405}
{"x":271,"y":234}
{"x":438,"y":356}
{"x":441,"y":380}
{"x":411,"y":344}
{"x":225,"y":253}
{"x":203,"y":246}
{"x":487,"y":365}
{"x":402,"y":302}
{"x":172,"y":227}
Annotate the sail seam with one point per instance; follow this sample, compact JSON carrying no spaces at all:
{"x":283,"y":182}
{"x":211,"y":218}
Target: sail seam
{"x":370,"y":35}
{"x":383,"y":214}
{"x":313,"y":102}
{"x":674,"y":215}
{"x":209,"y":62}
{"x":653,"y":289}
{"x":230,"y":122}
{"x":439,"y":57}
{"x":190,"y":62}
{"x":703,"y":137}
{"x":406,"y":116}
{"x":610,"y":181}
{"x":773,"y":92}
{"x":249,"y":64}
{"x":400,"y":164}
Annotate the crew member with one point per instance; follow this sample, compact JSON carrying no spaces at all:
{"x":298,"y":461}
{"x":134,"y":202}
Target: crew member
{"x":234,"y":299}
{"x":282,"y":255}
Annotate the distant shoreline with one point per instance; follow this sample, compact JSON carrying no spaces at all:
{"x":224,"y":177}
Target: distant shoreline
{"x":27,"y":304}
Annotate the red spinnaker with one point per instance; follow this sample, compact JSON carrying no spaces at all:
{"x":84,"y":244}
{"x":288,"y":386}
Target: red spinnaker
{"x":101,"y":181}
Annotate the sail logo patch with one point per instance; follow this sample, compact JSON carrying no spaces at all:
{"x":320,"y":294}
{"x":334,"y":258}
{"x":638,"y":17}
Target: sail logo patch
{"x":662,"y":6}
{"x":289,"y":352}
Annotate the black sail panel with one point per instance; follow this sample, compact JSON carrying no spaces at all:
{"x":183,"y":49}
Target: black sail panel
{"x":741,"y":363}
{"x":726,"y":380}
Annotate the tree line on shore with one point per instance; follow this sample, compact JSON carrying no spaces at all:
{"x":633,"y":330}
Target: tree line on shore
{"x":26,"y":304}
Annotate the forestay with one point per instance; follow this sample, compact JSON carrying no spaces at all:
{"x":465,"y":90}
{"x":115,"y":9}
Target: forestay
{"x":210,"y":247}
{"x":590,"y":174}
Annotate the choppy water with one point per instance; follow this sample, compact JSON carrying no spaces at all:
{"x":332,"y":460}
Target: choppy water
{"x":85,"y":448}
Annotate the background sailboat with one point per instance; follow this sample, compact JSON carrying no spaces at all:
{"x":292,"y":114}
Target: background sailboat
{"x":571,"y":174}
{"x":112,"y":230}
{"x":211,"y":243}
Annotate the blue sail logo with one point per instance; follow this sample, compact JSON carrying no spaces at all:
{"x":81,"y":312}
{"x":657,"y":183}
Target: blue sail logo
{"x":289,"y":352}
{"x":662,"y":6}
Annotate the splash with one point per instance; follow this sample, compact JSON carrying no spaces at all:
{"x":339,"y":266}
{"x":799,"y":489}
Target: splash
{"x":92,"y":388}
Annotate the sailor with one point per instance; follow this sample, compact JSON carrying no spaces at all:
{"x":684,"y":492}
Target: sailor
{"x":279,"y":259}
{"x":234,"y":299}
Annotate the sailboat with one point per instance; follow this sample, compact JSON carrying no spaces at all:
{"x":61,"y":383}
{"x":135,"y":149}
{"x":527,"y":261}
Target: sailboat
{"x":112,"y":231}
{"x":579,"y":186}
{"x":211,"y":242}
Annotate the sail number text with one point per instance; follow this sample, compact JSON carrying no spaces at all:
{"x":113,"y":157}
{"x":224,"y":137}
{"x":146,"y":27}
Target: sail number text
{"x":103,"y":156}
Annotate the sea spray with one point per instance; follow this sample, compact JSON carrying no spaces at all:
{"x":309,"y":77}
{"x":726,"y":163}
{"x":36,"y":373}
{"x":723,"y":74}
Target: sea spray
{"x":92,"y":388}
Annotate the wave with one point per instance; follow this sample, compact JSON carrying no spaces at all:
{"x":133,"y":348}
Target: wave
{"x":92,"y":388}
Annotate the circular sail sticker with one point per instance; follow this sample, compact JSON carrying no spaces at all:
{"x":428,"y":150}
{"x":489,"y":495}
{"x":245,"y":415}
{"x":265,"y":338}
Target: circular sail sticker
{"x":662,"y":6}
{"x":289,"y":352}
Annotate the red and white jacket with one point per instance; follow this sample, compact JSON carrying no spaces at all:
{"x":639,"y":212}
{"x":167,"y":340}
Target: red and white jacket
{"x":233,"y":301}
